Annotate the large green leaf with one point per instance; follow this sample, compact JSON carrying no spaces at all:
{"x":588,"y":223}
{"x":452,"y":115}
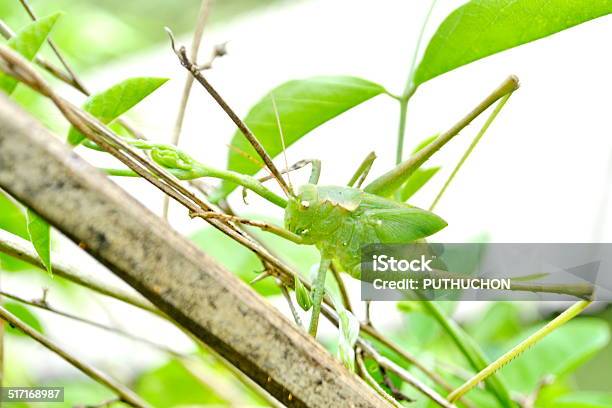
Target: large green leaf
{"x":25,"y":315}
{"x":484,"y":27}
{"x":27,"y":42}
{"x":558,"y":353}
{"x":108,"y":105}
{"x":39,"y":233}
{"x":302,"y":106}
{"x":584,"y":399}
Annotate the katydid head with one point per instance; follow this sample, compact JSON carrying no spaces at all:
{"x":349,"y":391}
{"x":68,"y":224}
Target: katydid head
{"x":301,"y":213}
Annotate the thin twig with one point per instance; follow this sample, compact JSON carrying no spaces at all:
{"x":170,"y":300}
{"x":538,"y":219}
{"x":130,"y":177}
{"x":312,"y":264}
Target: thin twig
{"x":44,"y":305}
{"x":365,"y":374}
{"x":193,"y":55}
{"x":346,"y":300}
{"x":75,"y":80}
{"x":104,"y":404}
{"x":406,"y":376}
{"x":23,"y":250}
{"x":126,"y":395}
{"x":397,"y":394}
{"x":197,"y":74}
{"x":7,"y":33}
{"x":294,"y":312}
{"x":195,"y":46}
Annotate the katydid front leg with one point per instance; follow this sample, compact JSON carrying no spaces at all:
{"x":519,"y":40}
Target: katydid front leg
{"x":264,"y":226}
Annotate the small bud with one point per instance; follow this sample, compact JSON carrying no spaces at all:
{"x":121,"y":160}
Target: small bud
{"x":302,"y":295}
{"x":171,"y":158}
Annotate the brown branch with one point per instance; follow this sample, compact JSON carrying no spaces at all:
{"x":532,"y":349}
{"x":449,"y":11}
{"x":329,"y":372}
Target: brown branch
{"x":168,"y":270}
{"x":126,"y":395}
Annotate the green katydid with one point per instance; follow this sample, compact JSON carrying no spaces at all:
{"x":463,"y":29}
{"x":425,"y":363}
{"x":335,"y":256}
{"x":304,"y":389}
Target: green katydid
{"x":338,"y":220}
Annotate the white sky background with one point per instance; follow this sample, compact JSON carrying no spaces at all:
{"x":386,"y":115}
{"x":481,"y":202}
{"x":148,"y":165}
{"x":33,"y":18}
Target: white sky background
{"x":537,"y":176}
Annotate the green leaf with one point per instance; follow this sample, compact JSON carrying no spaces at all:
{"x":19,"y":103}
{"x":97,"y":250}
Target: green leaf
{"x":25,"y":315}
{"x":108,"y":105}
{"x":171,"y":385}
{"x":27,"y":42}
{"x":584,"y":399}
{"x":14,"y":221}
{"x":500,"y":323}
{"x":417,"y":180}
{"x":557,"y":354}
{"x":80,"y":392}
{"x":39,"y":233}
{"x":302,"y":106}
{"x":484,"y":27}
{"x":423,"y":143}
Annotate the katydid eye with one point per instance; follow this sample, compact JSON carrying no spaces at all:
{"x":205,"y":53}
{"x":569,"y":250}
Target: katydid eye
{"x":304,"y":204}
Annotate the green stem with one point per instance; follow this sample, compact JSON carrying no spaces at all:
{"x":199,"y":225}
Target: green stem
{"x":401,"y":131}
{"x":467,"y":153}
{"x":470,"y":350}
{"x":318,"y":290}
{"x":199,"y":170}
{"x":410,"y":88}
{"x":560,"y":320}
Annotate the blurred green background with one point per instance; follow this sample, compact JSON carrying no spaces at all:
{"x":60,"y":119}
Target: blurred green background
{"x":109,"y":30}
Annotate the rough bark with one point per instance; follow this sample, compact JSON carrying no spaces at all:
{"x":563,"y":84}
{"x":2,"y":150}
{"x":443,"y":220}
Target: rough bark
{"x":138,"y":246}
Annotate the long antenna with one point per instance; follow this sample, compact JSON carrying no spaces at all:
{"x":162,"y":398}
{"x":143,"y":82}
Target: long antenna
{"x":282,"y":138}
{"x":181,"y":53}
